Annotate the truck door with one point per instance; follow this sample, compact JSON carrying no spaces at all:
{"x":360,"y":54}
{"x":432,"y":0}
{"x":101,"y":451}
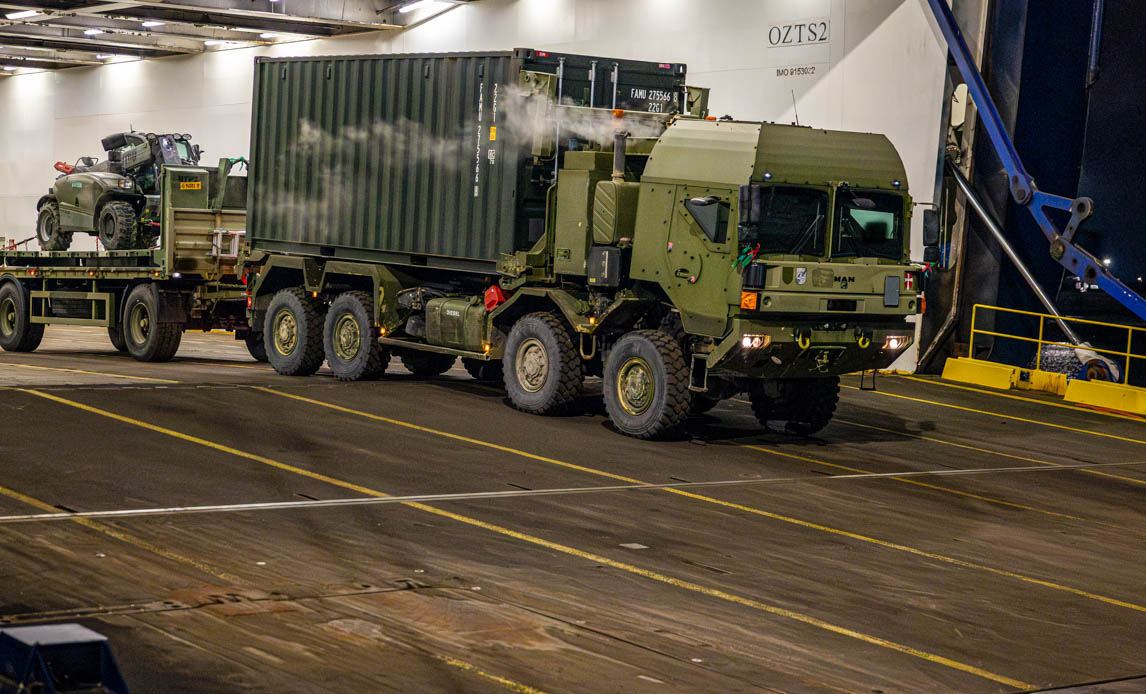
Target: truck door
{"x":699,"y":256}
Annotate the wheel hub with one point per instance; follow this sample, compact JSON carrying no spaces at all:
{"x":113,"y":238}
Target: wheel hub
{"x":347,"y":338}
{"x":635,"y":386}
{"x":532,"y":365}
{"x":139,"y":326}
{"x":285,"y":333}
{"x":7,"y":317}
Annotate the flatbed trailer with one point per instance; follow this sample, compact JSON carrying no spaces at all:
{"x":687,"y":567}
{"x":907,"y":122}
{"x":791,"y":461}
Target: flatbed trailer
{"x":145,"y":298}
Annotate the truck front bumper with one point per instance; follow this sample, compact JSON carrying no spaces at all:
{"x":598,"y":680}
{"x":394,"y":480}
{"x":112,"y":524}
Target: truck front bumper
{"x":759,"y":349}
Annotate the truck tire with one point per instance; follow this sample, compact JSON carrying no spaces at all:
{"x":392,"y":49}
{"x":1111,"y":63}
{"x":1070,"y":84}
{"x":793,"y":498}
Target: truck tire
{"x":543,"y":371}
{"x":671,"y":324}
{"x":116,"y":336}
{"x":48,"y":233}
{"x":146,"y":335}
{"x":487,"y":371}
{"x":427,"y":364}
{"x":17,"y":332}
{"x":117,"y":226}
{"x":255,"y":346}
{"x":806,"y":404}
{"x":349,"y":339}
{"x":294,"y":328}
{"x":646,"y":385}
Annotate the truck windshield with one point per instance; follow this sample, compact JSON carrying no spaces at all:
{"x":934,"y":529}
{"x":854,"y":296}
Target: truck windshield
{"x":792,"y":221}
{"x":869,"y":224}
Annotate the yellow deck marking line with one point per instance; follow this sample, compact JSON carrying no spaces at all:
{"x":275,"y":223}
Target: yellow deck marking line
{"x":595,"y":558}
{"x":728,"y":504}
{"x":508,"y":684}
{"x":90,"y":373}
{"x":1051,"y":425}
{"x":124,"y":537}
{"x":988,"y":451}
{"x":1010,"y":396}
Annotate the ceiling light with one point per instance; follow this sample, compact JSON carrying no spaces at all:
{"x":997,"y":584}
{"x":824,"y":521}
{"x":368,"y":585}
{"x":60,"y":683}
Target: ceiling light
{"x":152,"y":23}
{"x":92,"y":32}
{"x":212,"y":42}
{"x":417,"y":4}
{"x":104,"y":56}
{"x":9,"y":68}
{"x":22,"y":14}
{"x":268,"y":35}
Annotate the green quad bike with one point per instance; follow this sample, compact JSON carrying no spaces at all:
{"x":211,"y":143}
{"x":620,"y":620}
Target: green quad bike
{"x":116,"y":199}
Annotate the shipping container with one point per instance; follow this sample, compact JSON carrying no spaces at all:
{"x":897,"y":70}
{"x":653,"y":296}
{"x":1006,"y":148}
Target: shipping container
{"x":425,"y":160}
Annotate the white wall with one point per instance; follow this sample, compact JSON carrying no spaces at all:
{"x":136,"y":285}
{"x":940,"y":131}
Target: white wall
{"x":881,"y":71}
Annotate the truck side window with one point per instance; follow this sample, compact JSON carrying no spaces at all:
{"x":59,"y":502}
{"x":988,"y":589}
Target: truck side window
{"x":711,"y":215}
{"x":793,"y":221}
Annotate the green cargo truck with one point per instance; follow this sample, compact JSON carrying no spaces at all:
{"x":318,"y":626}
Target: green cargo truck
{"x":147,"y":297}
{"x":549,"y":217}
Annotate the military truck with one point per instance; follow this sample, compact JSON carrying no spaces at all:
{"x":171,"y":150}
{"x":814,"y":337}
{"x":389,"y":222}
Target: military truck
{"x":116,"y":199}
{"x":146,"y":298}
{"x":548,"y":217}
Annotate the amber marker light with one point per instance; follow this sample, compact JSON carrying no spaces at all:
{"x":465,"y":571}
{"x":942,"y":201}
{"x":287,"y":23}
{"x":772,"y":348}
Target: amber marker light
{"x":748,"y":300}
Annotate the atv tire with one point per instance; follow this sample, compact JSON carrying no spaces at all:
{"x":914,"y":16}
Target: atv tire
{"x":543,"y":371}
{"x":17,"y":331}
{"x":350,"y":340}
{"x":485,"y":371}
{"x":293,"y":332}
{"x":146,"y":335}
{"x":646,"y":385}
{"x":118,"y":226}
{"x":48,"y":233}
{"x":427,"y":364}
{"x":806,"y":404}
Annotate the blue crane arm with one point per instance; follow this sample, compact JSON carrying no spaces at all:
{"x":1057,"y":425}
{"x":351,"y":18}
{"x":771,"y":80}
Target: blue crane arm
{"x":1023,"y":189}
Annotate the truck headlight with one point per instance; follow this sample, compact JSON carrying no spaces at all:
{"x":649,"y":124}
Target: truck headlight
{"x":895,"y":343}
{"x":755,"y":341}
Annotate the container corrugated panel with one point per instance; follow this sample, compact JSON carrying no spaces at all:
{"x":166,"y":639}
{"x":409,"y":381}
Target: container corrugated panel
{"x":406,"y":158}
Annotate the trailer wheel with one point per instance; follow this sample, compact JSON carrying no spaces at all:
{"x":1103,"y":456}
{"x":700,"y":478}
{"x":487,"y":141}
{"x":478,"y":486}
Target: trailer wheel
{"x":646,"y":385}
{"x":294,"y":332}
{"x":488,"y":371}
{"x":806,"y":404}
{"x":48,"y":233}
{"x":147,"y":336}
{"x":17,"y":332}
{"x":427,"y":364}
{"x":256,"y":347}
{"x":116,"y":336}
{"x":349,"y":339}
{"x":117,"y":225}
{"x":542,"y":368}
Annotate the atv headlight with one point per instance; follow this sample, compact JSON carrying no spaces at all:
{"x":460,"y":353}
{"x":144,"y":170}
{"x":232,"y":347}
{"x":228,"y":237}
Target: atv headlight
{"x":127,"y":184}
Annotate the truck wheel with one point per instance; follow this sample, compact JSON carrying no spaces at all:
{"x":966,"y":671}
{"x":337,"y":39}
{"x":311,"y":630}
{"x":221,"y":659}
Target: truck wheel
{"x":116,"y":336}
{"x":542,"y":369}
{"x":294,"y":328}
{"x":17,"y":332}
{"x":255,"y":345}
{"x":117,"y":225}
{"x":646,"y":385}
{"x":488,"y":371}
{"x":147,"y":337}
{"x":349,"y":339}
{"x":48,"y":233}
{"x":807,"y":404}
{"x":427,"y":364}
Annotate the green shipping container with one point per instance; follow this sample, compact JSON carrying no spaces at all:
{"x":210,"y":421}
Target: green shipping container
{"x":424,"y":160}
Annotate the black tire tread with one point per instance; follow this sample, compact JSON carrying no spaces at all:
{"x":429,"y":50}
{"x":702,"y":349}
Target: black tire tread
{"x":678,"y":398}
{"x":807,"y":405}
{"x":33,"y":332}
{"x":571,"y":373}
{"x":62,"y":240}
{"x":425,"y":364}
{"x":313,"y":352}
{"x":125,"y":217}
{"x":377,"y":358}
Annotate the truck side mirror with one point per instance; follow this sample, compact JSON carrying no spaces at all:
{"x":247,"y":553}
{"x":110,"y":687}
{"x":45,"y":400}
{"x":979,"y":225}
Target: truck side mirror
{"x":931,"y":254}
{"x":930,"y":228}
{"x":751,"y":197}
{"x":88,"y":161}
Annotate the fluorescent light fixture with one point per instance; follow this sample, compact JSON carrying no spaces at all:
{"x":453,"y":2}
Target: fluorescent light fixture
{"x":212,"y":42}
{"x":22,"y":14}
{"x":416,"y":5}
{"x":93,"y":32}
{"x":9,"y":68}
{"x":268,"y":35}
{"x":152,"y":23}
{"x":104,"y":56}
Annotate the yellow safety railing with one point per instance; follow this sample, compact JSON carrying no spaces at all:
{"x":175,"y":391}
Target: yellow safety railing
{"x":1127,"y":355}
